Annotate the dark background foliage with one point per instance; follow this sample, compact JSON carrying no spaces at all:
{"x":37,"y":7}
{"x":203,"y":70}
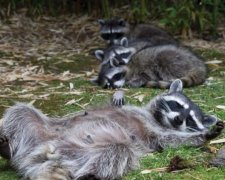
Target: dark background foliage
{"x":179,"y":16}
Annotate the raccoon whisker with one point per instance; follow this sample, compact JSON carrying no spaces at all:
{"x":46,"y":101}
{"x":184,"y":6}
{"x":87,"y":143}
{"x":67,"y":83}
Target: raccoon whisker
{"x":191,"y":129}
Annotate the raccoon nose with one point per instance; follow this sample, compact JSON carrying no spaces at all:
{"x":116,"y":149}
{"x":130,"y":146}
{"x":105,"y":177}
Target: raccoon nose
{"x":178,"y":120}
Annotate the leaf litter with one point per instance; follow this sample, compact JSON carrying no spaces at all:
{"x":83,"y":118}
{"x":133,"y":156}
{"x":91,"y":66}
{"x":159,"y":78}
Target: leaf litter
{"x":27,"y":45}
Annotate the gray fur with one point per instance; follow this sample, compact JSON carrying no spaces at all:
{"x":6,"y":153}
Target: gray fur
{"x":219,"y":160}
{"x":106,"y":142}
{"x":113,"y":30}
{"x":151,"y":66}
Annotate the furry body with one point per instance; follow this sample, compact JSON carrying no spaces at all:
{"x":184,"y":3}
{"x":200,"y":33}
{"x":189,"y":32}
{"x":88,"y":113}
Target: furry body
{"x":140,"y":64}
{"x":113,"y":30}
{"x":106,"y":142}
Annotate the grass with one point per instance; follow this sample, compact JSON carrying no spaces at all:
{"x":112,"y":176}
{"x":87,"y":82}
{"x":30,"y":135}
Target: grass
{"x":206,"y":96}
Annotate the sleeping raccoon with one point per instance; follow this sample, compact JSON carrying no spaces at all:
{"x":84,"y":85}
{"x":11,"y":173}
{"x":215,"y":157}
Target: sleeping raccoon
{"x":106,"y":142}
{"x":139,"y":65}
{"x":113,"y":30}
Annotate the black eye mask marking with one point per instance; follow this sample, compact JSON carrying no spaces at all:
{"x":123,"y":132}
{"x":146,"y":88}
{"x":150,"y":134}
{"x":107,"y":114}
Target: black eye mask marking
{"x":178,"y":120}
{"x":117,"y":35}
{"x":118,"y":76}
{"x":174,"y":106}
{"x":191,"y":123}
{"x":105,"y":36}
{"x":125,"y":55}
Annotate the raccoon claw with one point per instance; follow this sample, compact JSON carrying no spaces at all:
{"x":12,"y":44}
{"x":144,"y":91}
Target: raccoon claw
{"x":215,"y":131}
{"x":118,"y":99}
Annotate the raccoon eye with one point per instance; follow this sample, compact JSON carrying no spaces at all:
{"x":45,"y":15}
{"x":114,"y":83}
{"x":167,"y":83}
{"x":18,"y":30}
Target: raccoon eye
{"x":118,"y":35}
{"x":119,"y":76}
{"x":105,"y":36}
{"x":125,"y":55}
{"x":178,"y":120}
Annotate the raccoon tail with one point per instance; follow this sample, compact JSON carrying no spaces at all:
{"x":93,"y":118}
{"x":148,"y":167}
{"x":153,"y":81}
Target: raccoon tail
{"x":188,"y":81}
{"x":193,"y":79}
{"x":158,"y":84}
{"x":107,"y":152}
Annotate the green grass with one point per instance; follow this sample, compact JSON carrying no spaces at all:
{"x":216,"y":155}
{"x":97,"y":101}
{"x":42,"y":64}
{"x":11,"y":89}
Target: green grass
{"x":206,"y":96}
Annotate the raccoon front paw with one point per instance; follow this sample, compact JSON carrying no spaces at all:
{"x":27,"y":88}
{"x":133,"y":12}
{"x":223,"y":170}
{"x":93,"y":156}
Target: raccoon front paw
{"x":118,"y":99}
{"x":53,"y":173}
{"x":215,"y":131}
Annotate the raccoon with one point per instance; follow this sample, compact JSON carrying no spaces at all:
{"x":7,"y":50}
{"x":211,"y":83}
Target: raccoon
{"x":149,"y":66}
{"x":113,"y":30}
{"x":104,"y":143}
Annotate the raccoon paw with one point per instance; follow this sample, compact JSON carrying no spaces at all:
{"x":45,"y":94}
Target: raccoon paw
{"x":60,"y":174}
{"x":54,"y":173}
{"x":118,"y":99}
{"x":215,"y":131}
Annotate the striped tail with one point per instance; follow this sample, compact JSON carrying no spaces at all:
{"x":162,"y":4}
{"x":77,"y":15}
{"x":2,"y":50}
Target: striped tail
{"x":188,"y":81}
{"x":158,"y":84}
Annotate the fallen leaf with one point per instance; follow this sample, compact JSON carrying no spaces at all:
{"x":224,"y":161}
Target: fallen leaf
{"x":217,"y":141}
{"x":221,"y":107}
{"x":212,"y":149}
{"x":214,"y":62}
{"x":147,"y":171}
{"x":71,"y":86}
{"x":73,"y":101}
{"x":140,"y":97}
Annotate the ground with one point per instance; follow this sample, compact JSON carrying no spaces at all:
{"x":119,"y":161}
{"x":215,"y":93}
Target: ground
{"x":49,"y":62}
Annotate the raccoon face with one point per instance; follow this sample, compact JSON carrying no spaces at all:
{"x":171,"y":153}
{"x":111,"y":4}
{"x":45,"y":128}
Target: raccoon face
{"x":112,"y":30}
{"x":112,"y":77}
{"x":174,"y":109}
{"x":116,"y":55}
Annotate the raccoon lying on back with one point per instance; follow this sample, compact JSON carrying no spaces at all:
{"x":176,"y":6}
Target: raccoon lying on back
{"x":138,"y":65}
{"x":106,"y":142}
{"x":113,"y":30}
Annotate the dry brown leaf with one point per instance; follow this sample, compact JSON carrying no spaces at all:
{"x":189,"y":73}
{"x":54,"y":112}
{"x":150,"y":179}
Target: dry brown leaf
{"x":212,"y":149}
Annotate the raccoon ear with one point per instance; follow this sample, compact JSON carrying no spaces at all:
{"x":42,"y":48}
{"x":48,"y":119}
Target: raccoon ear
{"x":99,"y":54}
{"x":209,"y":121}
{"x":101,"y":22}
{"x":124,"y":42}
{"x":176,"y":86}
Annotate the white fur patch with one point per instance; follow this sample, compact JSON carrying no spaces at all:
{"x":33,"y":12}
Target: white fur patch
{"x":172,"y":114}
{"x":177,"y":99}
{"x":198,"y":123}
{"x":113,"y":72}
{"x":119,"y":83}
